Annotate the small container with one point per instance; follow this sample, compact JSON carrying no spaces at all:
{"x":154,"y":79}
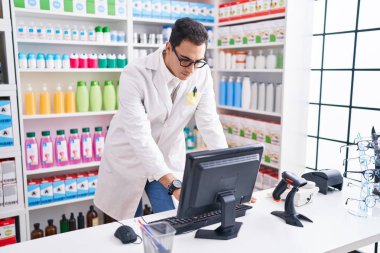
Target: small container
{"x":32,"y":62}
{"x":111,"y":61}
{"x":65,"y":61}
{"x":83,"y":36}
{"x":21,"y":30}
{"x":106,"y":34}
{"x":41,"y":64}
{"x":143,"y":38}
{"x":92,"y":61}
{"x":41,"y":32}
{"x":32,"y":31}
{"x":91,"y":34}
{"x":99,"y":34}
{"x":83,"y":58}
{"x":135,"y":38}
{"x":74,"y":33}
{"x":74,"y":60}
{"x":50,"y":61}
{"x":121,"y":37}
{"x":159,"y":39}
{"x":57,"y":61}
{"x":121,"y":60}
{"x":102,"y":61}
{"x":152,"y":38}
{"x":113,"y":36}
{"x":58,"y":33}
{"x":163,"y":235}
{"x":22,"y":61}
{"x":67,"y":33}
{"x":49,"y":32}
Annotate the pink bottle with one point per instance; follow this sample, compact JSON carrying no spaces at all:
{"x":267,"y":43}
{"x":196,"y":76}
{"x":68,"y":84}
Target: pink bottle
{"x":86,"y":145}
{"x":92,"y":61}
{"x":31,"y":150}
{"x":98,"y":145}
{"x":74,"y":147}
{"x":83,"y":58}
{"x":61,"y":154}
{"x":74,"y":60}
{"x":46,"y":150}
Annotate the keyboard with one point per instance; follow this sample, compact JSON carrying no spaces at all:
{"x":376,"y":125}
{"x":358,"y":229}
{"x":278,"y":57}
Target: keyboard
{"x":183,"y":225}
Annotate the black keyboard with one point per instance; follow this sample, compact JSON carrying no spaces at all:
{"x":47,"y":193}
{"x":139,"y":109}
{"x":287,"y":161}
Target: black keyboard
{"x":183,"y":225}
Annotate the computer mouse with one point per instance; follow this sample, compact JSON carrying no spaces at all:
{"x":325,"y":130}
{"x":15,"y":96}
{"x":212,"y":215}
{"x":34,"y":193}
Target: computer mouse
{"x":125,"y":234}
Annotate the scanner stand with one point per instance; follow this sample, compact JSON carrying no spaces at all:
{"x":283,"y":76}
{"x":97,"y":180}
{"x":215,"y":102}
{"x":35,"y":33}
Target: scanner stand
{"x":229,"y":228}
{"x":290,"y":215}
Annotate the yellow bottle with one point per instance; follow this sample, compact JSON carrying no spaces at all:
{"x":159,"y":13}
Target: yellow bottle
{"x":44,"y":100}
{"x":30,"y":101}
{"x":70,"y":100}
{"x":59,"y":100}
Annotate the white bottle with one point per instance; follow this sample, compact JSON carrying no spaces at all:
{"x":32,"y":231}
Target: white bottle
{"x":261,"y":97}
{"x":228,"y":59}
{"x":57,"y":61}
{"x":58,"y":34}
{"x":269,"y":97}
{"x":32,"y":31}
{"x":254,"y":95}
{"x":210,"y":60}
{"x":278,"y":99}
{"x":260,"y":60}
{"x":67,"y":33}
{"x":74,"y":33}
{"x":41,"y":32}
{"x":246,"y":93}
{"x":222,"y":59}
{"x":21,"y":30}
{"x":250,"y":61}
{"x":233,"y":60}
{"x":49,"y":32}
{"x":83,"y":34}
{"x":91,"y":34}
{"x":271,"y":60}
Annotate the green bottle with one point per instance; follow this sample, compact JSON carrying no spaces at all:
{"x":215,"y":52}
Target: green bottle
{"x":81,"y":97}
{"x":95,"y":97}
{"x":64,"y":224}
{"x":117,"y":95}
{"x":280,"y":60}
{"x":109,"y":96}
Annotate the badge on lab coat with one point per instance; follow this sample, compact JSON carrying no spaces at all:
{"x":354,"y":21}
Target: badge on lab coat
{"x":192,"y":97}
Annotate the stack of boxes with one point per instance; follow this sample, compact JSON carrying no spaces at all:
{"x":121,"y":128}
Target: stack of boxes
{"x":7,"y":231}
{"x":6,"y":134}
{"x":8,"y":184}
{"x":64,"y":187}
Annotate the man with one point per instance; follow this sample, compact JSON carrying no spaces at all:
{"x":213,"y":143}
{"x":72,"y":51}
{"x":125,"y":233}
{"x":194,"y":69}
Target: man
{"x":145,"y":146}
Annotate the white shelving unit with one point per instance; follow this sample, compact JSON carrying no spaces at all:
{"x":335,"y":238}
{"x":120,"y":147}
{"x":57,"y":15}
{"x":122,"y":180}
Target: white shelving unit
{"x":74,"y":43}
{"x":60,"y":203}
{"x":258,"y":45}
{"x":264,"y":113}
{"x":62,"y":169}
{"x":250,"y":20}
{"x":79,"y":70}
{"x":162,"y":21}
{"x":249,"y":70}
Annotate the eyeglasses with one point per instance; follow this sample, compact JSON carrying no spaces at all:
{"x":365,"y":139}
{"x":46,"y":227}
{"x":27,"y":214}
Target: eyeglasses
{"x":363,"y":145}
{"x":367,"y":174}
{"x":370,"y":200}
{"x":363,"y":160}
{"x":187,"y":62}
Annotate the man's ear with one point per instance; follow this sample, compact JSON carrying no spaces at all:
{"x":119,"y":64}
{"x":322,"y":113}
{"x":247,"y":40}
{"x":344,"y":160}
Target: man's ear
{"x":168,"y":47}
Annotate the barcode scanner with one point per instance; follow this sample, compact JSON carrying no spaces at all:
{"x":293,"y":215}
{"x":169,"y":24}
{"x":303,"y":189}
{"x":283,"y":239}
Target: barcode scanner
{"x":290,"y":215}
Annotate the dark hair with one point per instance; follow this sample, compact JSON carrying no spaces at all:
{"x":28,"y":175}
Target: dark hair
{"x":188,"y":29}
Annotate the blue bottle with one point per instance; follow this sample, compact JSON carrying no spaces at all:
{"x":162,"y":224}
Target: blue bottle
{"x":230,"y":91}
{"x":223,"y":91}
{"x":237,"y":92}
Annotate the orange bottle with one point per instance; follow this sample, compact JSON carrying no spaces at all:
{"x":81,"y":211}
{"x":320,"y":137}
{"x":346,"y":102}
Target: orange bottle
{"x":45,"y":100}
{"x":59,"y":100}
{"x":30,"y":101}
{"x":70,"y":100}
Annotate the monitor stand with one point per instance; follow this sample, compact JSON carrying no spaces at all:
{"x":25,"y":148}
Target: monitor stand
{"x":229,"y":228}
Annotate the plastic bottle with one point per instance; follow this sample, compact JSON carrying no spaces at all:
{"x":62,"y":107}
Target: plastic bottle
{"x":74,"y":60}
{"x":190,"y":141}
{"x":166,"y":32}
{"x":102,"y":60}
{"x":32,"y":31}
{"x":280,"y":60}
{"x":70,"y":100}
{"x":83,"y":58}
{"x":228,"y":59}
{"x":59,"y":100}
{"x":64,"y":224}
{"x":65,"y":61}
{"x":246,"y":93}
{"x":50,"y":229}
{"x":57,"y":61}
{"x":46,"y":150}
{"x":254,"y":96}
{"x":269,"y":97}
{"x":49,"y":32}
{"x":50,"y":61}
{"x":109,"y":96}
{"x":37,"y":232}
{"x":86,"y":145}
{"x":98,"y":146}
{"x":82,"y":98}
{"x":58,"y":34}
{"x":121,"y":61}
{"x":99,"y":34}
{"x":91,"y":34}
{"x":237,"y":92}
{"x":210,"y":34}
{"x":121,"y":37}
{"x":67,"y":33}
{"x":260,"y":60}
{"x":106,"y":34}
{"x":61,"y":153}
{"x":278,"y":101}
{"x":41,"y":32}
{"x":45,"y":100}
{"x":271,"y":60}
{"x":198,"y":138}
{"x":30,"y":101}
{"x":95,"y":97}
{"x":113,"y":36}
{"x":111,"y":61}
{"x":74,"y":33}
{"x":92,"y":61}
{"x":223,"y":91}
{"x":261,"y":96}
{"x":32,"y":62}
{"x":233,"y":60}
{"x":22,"y":61}
{"x":72,"y":223}
{"x":210,"y":60}
{"x":21,"y":30}
{"x":80,"y":219}
{"x":31,"y":150}
{"x":250,"y":64}
{"x":41,"y":63}
{"x":83,"y":36}
{"x":230,"y":91}
{"x":117,"y":94}
{"x":92,"y":217}
{"x":74,"y":147}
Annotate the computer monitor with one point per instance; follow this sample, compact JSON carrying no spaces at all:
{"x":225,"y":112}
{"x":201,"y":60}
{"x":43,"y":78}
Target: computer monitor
{"x":219,"y":180}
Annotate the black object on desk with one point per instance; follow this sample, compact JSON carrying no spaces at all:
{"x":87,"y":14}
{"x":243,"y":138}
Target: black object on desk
{"x":325,"y":179}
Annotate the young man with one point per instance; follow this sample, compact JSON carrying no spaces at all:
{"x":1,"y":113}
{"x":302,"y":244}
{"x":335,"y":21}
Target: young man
{"x":145,"y":146}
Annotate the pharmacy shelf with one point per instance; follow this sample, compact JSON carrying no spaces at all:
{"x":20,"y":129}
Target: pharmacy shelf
{"x":62,"y":169}
{"x":146,"y":45}
{"x":60,"y":203}
{"x":253,"y":19}
{"x":7,"y":212}
{"x":21,"y":12}
{"x":78,"y":70}
{"x":67,"y":115}
{"x":7,"y":87}
{"x":163,"y":21}
{"x":9,"y":154}
{"x":250,"y":70}
{"x":72,"y":42}
{"x":5,"y":25}
{"x":272,"y":114}
{"x":259,"y":45}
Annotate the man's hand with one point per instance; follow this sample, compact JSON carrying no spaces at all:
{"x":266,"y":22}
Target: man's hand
{"x":177,"y":194}
{"x":167,"y":180}
{"x":253,"y":200}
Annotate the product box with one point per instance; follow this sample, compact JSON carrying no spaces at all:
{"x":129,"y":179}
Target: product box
{"x":262,"y":7}
{"x":1,"y":196}
{"x":202,"y":12}
{"x":236,"y":33}
{"x":46,"y":187}
{"x":34,"y":192}
{"x":175,"y":9}
{"x":82,"y":184}
{"x":156,"y":8}
{"x":136,"y":8}
{"x":224,"y":12}
{"x":273,"y":134}
{"x":32,"y":4}
{"x":6,"y":135}
{"x":56,"y":5}
{"x":8,"y":171}
{"x":111,"y":7}
{"x":193,"y":10}
{"x":210,"y":13}
{"x":71,"y":186}
{"x":184,"y":9}
{"x":10,"y":194}
{"x":277,"y":6}
{"x":101,"y":7}
{"x":146,"y":8}
{"x":7,"y":231}
{"x":223,"y":36}
{"x":59,"y":188}
{"x":79,"y":7}
{"x":5,"y":111}
{"x":92,"y":182}
{"x":272,"y":155}
{"x":120,"y":10}
{"x":165,"y":9}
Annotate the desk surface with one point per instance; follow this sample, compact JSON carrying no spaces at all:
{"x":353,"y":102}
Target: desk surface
{"x":333,"y":230}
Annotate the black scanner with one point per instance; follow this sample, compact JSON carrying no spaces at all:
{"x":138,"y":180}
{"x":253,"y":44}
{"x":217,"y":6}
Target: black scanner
{"x":325,"y":179}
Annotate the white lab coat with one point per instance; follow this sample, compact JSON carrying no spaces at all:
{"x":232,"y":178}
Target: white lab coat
{"x":145,"y":140}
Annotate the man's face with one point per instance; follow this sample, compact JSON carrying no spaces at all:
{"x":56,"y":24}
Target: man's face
{"x":186,"y":52}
